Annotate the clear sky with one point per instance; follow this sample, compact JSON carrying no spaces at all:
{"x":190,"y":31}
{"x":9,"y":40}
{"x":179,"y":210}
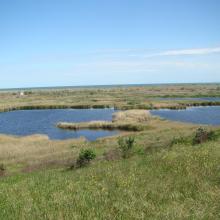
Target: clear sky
{"x":90,"y":42}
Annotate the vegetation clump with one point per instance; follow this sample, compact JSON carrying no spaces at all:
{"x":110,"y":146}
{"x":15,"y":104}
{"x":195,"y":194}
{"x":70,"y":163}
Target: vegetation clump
{"x":130,"y":120}
{"x":180,"y":140}
{"x":125,"y":146}
{"x":134,"y":115}
{"x":202,"y":135}
{"x":2,"y":169}
{"x":105,"y":125}
{"x":85,"y":156}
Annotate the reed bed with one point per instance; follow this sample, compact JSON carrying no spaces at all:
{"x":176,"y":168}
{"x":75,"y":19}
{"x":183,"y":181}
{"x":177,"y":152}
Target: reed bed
{"x":122,"y":98}
{"x":130,"y":120}
{"x":105,"y":125}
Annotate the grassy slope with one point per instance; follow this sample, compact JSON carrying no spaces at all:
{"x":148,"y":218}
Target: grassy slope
{"x":180,"y":183}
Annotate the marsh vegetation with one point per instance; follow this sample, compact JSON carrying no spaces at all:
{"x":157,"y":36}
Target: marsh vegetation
{"x":130,"y":120}
{"x":119,"y":97}
{"x":165,"y":170}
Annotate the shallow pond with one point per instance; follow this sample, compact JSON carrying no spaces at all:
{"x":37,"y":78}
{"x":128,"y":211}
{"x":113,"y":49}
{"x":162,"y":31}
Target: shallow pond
{"x":199,"y":115}
{"x":27,"y":122}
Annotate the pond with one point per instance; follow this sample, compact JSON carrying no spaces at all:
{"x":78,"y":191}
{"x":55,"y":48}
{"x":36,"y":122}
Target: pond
{"x":199,"y":115}
{"x":28,"y":122}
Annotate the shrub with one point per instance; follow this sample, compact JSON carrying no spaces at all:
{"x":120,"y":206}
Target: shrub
{"x":126,"y":145}
{"x":202,"y":135}
{"x":85,"y":156}
{"x":2,"y":169}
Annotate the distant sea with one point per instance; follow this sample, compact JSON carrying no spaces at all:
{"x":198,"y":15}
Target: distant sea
{"x":100,"y":86}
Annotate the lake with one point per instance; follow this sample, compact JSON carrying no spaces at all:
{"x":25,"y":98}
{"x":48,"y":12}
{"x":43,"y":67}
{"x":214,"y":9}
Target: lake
{"x":28,"y":122}
{"x":199,"y":115}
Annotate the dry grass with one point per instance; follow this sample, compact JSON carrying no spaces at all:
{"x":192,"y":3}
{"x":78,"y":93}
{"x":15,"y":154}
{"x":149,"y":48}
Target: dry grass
{"x":36,"y":149}
{"x":139,"y":116}
{"x":141,"y":97}
{"x":130,"y":120}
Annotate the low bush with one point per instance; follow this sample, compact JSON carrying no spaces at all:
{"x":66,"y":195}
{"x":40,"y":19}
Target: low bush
{"x":202,"y":135}
{"x":2,"y":169}
{"x":125,"y":146}
{"x":85,"y":156}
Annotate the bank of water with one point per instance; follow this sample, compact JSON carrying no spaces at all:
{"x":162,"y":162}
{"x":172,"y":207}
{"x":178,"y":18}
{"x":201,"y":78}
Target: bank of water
{"x":198,"y":115}
{"x":28,"y":122}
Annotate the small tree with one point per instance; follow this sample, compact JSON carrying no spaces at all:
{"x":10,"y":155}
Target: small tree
{"x":126,"y":145}
{"x":85,"y":156}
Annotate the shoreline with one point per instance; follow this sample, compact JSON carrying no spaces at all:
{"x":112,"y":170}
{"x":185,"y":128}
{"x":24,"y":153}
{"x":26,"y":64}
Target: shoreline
{"x":177,"y":106}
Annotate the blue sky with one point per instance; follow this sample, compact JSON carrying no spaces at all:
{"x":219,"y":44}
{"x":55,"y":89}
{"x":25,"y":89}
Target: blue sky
{"x":63,"y":43}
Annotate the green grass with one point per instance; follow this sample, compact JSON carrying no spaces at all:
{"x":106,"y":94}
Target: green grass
{"x":180,"y":183}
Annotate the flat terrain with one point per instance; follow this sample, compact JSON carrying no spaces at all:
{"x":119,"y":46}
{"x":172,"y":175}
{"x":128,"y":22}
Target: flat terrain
{"x":165,"y":176}
{"x":118,"y":97}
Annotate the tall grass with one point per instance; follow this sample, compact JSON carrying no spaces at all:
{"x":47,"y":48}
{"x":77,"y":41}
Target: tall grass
{"x":180,"y":183}
{"x":130,"y":120}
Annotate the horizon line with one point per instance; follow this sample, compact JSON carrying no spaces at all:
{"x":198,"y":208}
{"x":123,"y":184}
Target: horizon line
{"x":105,"y":85}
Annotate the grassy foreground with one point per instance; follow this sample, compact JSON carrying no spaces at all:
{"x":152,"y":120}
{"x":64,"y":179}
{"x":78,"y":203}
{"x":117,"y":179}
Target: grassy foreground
{"x":182,"y":182}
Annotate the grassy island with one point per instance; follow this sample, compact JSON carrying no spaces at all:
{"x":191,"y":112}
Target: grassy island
{"x":130,"y":120}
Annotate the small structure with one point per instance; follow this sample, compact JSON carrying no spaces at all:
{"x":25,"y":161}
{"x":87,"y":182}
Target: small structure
{"x":20,"y":94}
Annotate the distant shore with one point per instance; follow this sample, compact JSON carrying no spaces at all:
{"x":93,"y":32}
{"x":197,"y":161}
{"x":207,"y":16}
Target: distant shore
{"x":102,"y":86}
{"x":123,"y":97}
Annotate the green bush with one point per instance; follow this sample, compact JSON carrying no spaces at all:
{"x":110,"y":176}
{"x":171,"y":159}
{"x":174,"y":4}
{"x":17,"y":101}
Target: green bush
{"x":85,"y":156}
{"x":126,"y":145}
{"x":202,"y":135}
